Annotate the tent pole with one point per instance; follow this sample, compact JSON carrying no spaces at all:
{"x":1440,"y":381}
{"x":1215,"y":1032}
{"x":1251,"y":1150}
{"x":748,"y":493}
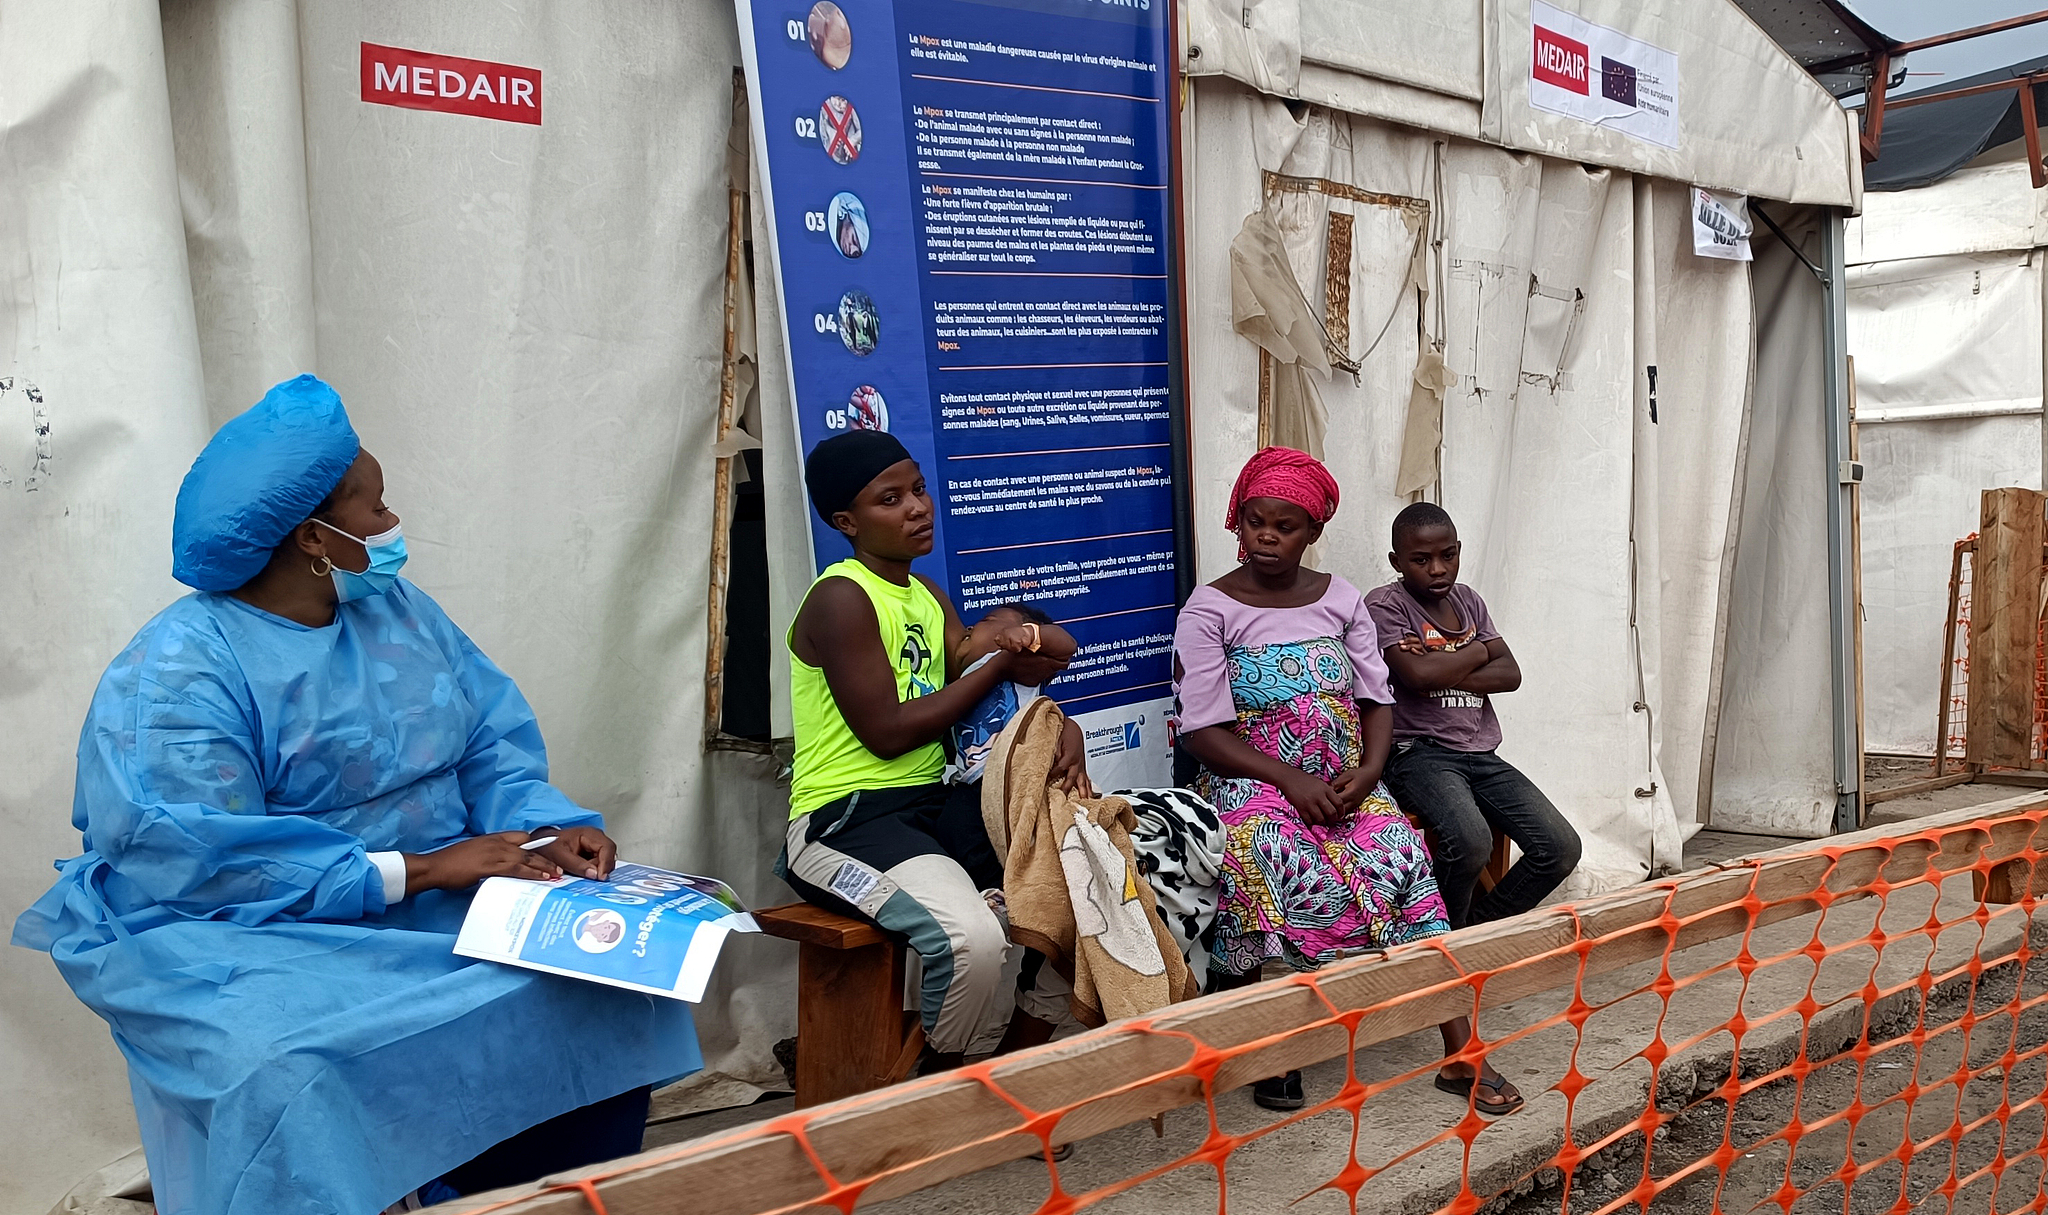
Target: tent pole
{"x":1844,"y":474}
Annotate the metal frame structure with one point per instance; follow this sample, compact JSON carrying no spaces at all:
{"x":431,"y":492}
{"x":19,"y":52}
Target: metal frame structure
{"x":1875,"y":103}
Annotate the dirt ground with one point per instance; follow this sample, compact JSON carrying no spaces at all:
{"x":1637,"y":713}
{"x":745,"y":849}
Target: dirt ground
{"x":1954,"y":1116}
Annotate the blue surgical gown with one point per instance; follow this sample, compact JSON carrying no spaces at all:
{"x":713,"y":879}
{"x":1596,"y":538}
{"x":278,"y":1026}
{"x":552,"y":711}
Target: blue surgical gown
{"x":293,"y":1042}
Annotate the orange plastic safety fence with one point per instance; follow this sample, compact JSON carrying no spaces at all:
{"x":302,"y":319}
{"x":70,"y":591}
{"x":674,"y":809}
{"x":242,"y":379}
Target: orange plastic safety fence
{"x":1861,"y":1026}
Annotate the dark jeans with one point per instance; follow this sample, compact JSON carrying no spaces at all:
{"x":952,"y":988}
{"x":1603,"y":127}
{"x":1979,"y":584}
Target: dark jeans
{"x":601,"y":1131}
{"x":1462,"y":795}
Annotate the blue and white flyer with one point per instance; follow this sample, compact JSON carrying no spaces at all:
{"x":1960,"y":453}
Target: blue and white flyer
{"x":644,"y":929}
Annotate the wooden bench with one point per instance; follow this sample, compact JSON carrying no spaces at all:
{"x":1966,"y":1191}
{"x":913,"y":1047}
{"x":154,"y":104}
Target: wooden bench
{"x":852,"y":1033}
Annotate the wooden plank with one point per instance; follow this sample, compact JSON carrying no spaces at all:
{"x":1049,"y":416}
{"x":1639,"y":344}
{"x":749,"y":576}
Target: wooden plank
{"x":1913,"y":787}
{"x":923,"y":1132}
{"x":814,"y":925}
{"x":2005,"y":602}
{"x":2020,"y":780}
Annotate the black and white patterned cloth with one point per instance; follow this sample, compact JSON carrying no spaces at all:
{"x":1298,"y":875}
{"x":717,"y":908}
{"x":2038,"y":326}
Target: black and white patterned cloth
{"x":1179,"y":844}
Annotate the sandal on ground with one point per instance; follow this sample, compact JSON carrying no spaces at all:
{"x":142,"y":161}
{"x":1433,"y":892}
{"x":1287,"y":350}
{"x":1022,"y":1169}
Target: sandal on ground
{"x":1058,"y":1154}
{"x":1492,"y":1107}
{"x":1280,"y":1092}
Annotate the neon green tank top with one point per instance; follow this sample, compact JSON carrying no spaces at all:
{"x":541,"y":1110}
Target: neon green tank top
{"x":831,"y":761}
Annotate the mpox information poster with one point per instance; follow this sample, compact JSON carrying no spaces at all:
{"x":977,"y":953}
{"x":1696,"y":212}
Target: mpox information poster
{"x":970,"y":214}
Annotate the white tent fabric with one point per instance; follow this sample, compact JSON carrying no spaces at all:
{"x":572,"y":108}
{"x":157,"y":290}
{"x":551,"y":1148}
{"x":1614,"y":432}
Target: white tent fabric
{"x":517,"y":316}
{"x":1603,"y":541}
{"x":1752,"y":120}
{"x":1946,"y":327}
{"x":524,"y":321}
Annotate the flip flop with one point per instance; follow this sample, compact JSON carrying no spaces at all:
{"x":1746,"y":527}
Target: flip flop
{"x":1494,"y":1108}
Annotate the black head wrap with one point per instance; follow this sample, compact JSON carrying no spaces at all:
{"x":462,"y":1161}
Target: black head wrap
{"x":840,"y":467}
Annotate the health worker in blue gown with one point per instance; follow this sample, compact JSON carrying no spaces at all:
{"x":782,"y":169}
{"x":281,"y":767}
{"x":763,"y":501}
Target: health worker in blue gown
{"x":289,"y":783}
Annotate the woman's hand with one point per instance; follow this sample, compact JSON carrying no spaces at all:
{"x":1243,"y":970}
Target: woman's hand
{"x":1353,"y":786}
{"x":582,"y":851}
{"x":1070,"y":762}
{"x":462,"y":865}
{"x":1316,"y":802}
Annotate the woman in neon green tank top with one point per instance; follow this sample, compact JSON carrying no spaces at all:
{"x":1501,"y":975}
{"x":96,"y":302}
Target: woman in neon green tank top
{"x":874,"y":686}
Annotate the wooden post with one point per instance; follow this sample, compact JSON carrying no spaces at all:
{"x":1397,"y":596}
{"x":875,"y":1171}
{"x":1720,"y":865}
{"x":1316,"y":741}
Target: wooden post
{"x":2005,"y":602}
{"x":1948,"y":655}
{"x":852,"y":1034}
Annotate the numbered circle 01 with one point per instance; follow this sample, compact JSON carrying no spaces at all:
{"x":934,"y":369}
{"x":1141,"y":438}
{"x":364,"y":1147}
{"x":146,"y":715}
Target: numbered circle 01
{"x":858,"y":323}
{"x":828,"y":32}
{"x":837,"y":128}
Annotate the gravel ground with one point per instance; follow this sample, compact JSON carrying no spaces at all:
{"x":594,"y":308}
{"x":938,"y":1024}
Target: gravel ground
{"x":1955,"y":1120}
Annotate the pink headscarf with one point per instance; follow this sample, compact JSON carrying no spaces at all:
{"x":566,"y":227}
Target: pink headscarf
{"x":1289,"y":475}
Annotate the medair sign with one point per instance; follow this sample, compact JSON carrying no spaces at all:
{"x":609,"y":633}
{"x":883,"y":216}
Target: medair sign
{"x":970,"y":208}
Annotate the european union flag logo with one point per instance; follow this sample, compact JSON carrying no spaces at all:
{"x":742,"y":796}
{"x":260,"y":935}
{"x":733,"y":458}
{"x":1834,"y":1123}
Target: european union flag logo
{"x":1617,"y":81}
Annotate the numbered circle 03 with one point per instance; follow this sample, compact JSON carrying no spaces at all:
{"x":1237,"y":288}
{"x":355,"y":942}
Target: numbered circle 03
{"x":846,"y":221}
{"x":829,"y":33}
{"x":839,"y":130}
{"x":860,"y":326}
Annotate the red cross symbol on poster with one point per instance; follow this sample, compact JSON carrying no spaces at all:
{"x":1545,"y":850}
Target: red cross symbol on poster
{"x":839,"y":130}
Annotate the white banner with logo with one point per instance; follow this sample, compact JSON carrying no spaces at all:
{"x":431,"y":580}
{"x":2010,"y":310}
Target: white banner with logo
{"x":1601,"y":76}
{"x":1720,"y":225}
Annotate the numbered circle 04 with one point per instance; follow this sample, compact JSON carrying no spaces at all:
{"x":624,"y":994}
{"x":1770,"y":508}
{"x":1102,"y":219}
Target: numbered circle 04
{"x":866,"y":410}
{"x":838,"y":129}
{"x":860,"y":326}
{"x":829,"y":33}
{"x":846,"y":221}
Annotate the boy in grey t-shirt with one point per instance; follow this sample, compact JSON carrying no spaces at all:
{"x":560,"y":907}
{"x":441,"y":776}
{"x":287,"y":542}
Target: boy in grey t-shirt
{"x":1447,"y":661}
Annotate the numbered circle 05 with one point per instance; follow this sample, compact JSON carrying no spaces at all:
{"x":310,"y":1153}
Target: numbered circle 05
{"x":859,"y":324}
{"x":866,"y":410}
{"x":837,"y":128}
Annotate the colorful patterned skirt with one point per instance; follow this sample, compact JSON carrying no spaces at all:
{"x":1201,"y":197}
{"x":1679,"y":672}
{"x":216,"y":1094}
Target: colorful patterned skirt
{"x":1312,"y":894}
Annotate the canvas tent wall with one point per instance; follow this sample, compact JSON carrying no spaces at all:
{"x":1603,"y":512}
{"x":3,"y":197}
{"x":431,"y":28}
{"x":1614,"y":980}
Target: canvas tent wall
{"x":1667,"y":580}
{"x":1945,"y":323}
{"x":524,"y":320}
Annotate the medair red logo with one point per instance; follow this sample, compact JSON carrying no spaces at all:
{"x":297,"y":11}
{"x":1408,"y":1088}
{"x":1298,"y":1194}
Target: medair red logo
{"x":1560,"y":61}
{"x":420,"y":81}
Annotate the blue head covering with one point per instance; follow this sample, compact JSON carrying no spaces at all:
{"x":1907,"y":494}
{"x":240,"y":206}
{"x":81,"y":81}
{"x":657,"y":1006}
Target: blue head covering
{"x":258,"y":478}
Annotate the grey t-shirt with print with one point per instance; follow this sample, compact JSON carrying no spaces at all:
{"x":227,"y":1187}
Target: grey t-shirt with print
{"x":1462,"y":721}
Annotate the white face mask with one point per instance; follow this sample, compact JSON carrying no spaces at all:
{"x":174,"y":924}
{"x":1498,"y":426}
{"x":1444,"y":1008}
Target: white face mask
{"x":387,"y":557}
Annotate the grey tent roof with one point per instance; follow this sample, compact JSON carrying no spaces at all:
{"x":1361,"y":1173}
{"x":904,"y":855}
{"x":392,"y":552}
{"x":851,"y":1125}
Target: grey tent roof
{"x":1926,"y":143}
{"x":1823,"y":35}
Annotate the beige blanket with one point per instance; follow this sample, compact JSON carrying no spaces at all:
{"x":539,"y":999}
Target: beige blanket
{"x":1072,"y":881}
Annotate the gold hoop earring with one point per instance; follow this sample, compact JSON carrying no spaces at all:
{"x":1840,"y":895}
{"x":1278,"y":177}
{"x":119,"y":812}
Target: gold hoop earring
{"x":322,"y":573}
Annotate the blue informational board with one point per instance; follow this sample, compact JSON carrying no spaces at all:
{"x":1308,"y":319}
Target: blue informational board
{"x":971,"y":218}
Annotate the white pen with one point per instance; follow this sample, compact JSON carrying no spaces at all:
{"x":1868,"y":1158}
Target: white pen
{"x":530,"y":845}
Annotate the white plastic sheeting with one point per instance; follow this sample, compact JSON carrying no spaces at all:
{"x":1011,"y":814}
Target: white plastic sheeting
{"x":1751,"y":120}
{"x":1945,"y":325}
{"x":524,"y":321}
{"x":1603,"y":542}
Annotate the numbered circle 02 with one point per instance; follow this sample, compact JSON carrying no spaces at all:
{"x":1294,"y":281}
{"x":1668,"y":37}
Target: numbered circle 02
{"x":860,"y":326}
{"x":828,"y":32}
{"x":846,"y":221}
{"x":866,"y":410}
{"x":838,"y":129}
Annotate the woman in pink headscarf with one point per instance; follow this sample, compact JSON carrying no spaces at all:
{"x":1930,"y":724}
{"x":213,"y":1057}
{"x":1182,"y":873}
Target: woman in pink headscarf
{"x":1283,"y":695}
